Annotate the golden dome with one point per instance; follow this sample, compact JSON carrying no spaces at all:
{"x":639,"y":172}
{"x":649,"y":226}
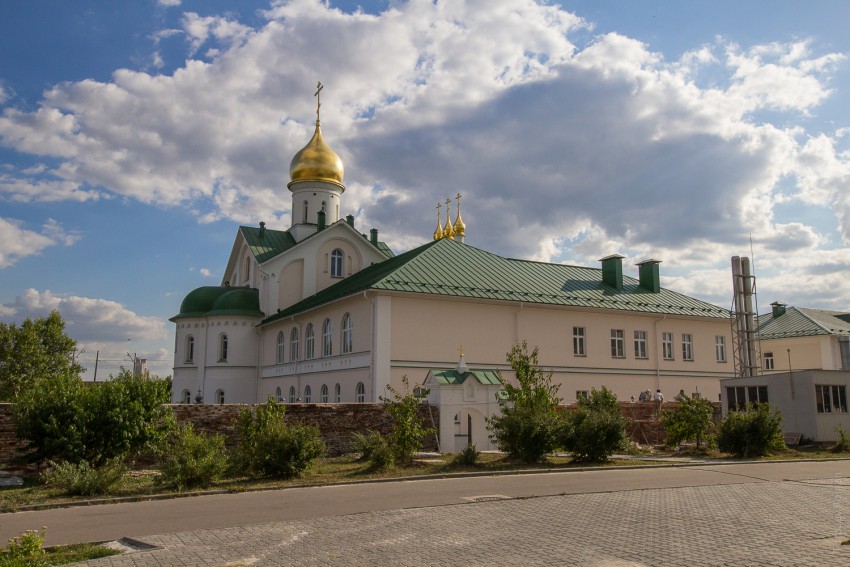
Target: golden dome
{"x":459,"y":227}
{"x":316,"y":161}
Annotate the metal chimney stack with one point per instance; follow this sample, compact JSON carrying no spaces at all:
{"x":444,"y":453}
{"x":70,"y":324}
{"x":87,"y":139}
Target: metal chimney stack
{"x":745,"y":335}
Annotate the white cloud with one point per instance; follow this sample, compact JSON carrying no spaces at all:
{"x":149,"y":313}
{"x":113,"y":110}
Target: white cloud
{"x":87,"y":320}
{"x":205,"y":272}
{"x":17,"y":242}
{"x":562,"y":152}
{"x":168,"y":3}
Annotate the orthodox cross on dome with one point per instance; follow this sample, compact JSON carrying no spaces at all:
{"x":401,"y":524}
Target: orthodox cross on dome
{"x":438,"y":234}
{"x":318,"y":95}
{"x":448,"y":231}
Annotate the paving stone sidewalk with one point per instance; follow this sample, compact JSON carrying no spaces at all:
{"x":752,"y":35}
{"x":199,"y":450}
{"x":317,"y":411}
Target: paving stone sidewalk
{"x":770,"y":523}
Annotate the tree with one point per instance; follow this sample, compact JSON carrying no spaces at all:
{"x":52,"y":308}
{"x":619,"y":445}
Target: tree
{"x":408,"y":422}
{"x":527,"y":425}
{"x":39,"y":348}
{"x":596,"y":428}
{"x":691,"y":420}
{"x":64,"y":420}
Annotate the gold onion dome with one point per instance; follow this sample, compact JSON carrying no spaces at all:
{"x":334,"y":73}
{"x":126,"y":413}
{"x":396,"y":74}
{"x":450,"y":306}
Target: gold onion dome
{"x":316,"y":161}
{"x":459,"y":227}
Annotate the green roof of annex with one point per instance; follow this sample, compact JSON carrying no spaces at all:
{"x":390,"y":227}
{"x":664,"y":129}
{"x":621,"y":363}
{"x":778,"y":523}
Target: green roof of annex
{"x":451,"y":269}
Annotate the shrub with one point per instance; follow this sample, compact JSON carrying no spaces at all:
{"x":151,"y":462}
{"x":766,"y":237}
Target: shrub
{"x":469,"y":456}
{"x":381,"y":456}
{"x":691,"y":420}
{"x":26,"y":550}
{"x":268,"y":446}
{"x":408,"y":422}
{"x":85,"y":480}
{"x":192,"y":460}
{"x":286,"y":450}
{"x":595,"y":429}
{"x":527,"y":425}
{"x":368,"y":444}
{"x":842,"y":445}
{"x":752,"y":433}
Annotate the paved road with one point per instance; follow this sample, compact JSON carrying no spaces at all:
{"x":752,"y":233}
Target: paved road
{"x":759,"y":514}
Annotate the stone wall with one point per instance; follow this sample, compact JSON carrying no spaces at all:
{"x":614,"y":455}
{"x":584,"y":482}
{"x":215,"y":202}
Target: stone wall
{"x":9,"y":443}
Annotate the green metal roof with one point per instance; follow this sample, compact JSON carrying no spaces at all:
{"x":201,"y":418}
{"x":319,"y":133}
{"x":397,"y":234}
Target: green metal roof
{"x":453,"y":377}
{"x":220,"y":300}
{"x":274,"y":242}
{"x":803,"y":322}
{"x":449,"y":268}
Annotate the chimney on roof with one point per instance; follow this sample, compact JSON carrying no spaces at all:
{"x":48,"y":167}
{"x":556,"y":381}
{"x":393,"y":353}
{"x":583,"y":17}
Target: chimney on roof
{"x":262,"y":233}
{"x":778,"y":309}
{"x":648,"y":275}
{"x":612,"y":271}
{"x":321,"y":219}
{"x":350,"y":220}
{"x":373,"y":236}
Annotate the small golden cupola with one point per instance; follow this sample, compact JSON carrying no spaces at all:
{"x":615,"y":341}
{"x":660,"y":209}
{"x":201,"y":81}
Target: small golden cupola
{"x":459,"y":226}
{"x":448,"y":231}
{"x":317,"y":161}
{"x":438,"y":234}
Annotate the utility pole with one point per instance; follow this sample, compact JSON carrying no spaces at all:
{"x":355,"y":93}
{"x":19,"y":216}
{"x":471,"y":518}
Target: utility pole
{"x":96,"y":360}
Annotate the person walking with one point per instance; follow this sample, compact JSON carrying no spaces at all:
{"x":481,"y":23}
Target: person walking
{"x":658,"y":397}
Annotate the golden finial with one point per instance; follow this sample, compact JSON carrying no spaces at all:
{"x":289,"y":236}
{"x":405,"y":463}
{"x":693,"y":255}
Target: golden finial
{"x":317,"y":94}
{"x":438,"y":234}
{"x":461,"y":351}
{"x":459,"y":227}
{"x":448,"y":231}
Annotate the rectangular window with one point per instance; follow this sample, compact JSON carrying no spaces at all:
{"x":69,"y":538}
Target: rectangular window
{"x":578,"y":341}
{"x":640,"y":344}
{"x":667,"y":345}
{"x":720,"y":348}
{"x":687,"y":346}
{"x":618,"y":343}
{"x":738,"y":398}
{"x":582,"y":394}
{"x":831,"y":398}
{"x":768,"y":361}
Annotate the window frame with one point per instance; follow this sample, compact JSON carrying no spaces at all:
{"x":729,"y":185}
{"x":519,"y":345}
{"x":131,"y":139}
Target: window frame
{"x":769,"y":361}
{"x":739,"y":398}
{"x":667,"y":351}
{"x":309,"y":343}
{"x":185,"y":397}
{"x":293,"y":395}
{"x":579,"y":341}
{"x":327,"y":338}
{"x":190,"y":349}
{"x":308,"y":394}
{"x":293,"y":344}
{"x":720,"y":348}
{"x":219,"y":396}
{"x":337,"y":263}
{"x":278,"y":395}
{"x":280,"y":353}
{"x":831,"y":398}
{"x":222,"y":347}
{"x":323,"y":395}
{"x":618,"y":343}
{"x":347,"y":334}
{"x":360,"y":393}
{"x":688,"y":347}
{"x":641,"y":351}
{"x":337,"y":393}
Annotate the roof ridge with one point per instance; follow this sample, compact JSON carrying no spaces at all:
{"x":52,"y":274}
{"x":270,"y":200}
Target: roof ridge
{"x":802,"y":311}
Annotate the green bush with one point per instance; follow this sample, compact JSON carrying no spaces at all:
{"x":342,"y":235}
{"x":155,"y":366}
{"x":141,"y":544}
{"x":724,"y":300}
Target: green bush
{"x":368,"y":443}
{"x":381,"y":456}
{"x":468,"y":457}
{"x":268,"y":446}
{"x":596,"y":429}
{"x":26,"y":550}
{"x":285,"y":450}
{"x":842,"y":445}
{"x":191,"y":460}
{"x":408,"y":422}
{"x":527,"y":425}
{"x":85,"y":480}
{"x":691,"y":420}
{"x":752,"y":433}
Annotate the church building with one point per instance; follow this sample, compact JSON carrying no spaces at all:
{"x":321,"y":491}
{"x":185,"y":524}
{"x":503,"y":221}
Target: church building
{"x":322,"y":313}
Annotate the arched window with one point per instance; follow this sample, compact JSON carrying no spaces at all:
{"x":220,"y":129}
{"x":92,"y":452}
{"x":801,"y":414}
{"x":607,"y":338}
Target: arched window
{"x":280,"y":347}
{"x":219,"y":396}
{"x":308,"y":394}
{"x":190,"y":349}
{"x":292,"y":395}
{"x":185,"y":397}
{"x":324,"y":398}
{"x":360,"y":393}
{"x":309,"y":342}
{"x":247,"y":269}
{"x":222,"y":348}
{"x":278,"y":395}
{"x":337,"y":394}
{"x":347,"y":334}
{"x":336,"y":263}
{"x":293,"y":345}
{"x":327,"y":338}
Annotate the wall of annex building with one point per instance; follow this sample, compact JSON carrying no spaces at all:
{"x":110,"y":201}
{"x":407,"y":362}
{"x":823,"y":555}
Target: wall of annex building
{"x":235,"y":374}
{"x":818,"y":352}
{"x":290,"y":284}
{"x":427,"y":333}
{"x":351,"y":263}
{"x":346,"y":379}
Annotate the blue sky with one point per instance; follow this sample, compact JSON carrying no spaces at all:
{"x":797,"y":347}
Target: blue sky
{"x":135,"y":137}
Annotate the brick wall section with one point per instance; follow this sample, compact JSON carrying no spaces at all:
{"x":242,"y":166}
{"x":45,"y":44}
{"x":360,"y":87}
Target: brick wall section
{"x":339,"y":422}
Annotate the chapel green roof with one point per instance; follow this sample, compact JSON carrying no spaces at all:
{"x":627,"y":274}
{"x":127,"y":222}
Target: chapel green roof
{"x":453,"y":377}
{"x":449,"y":268}
{"x":803,"y":322}
{"x":274,"y":242}
{"x":220,"y":300}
